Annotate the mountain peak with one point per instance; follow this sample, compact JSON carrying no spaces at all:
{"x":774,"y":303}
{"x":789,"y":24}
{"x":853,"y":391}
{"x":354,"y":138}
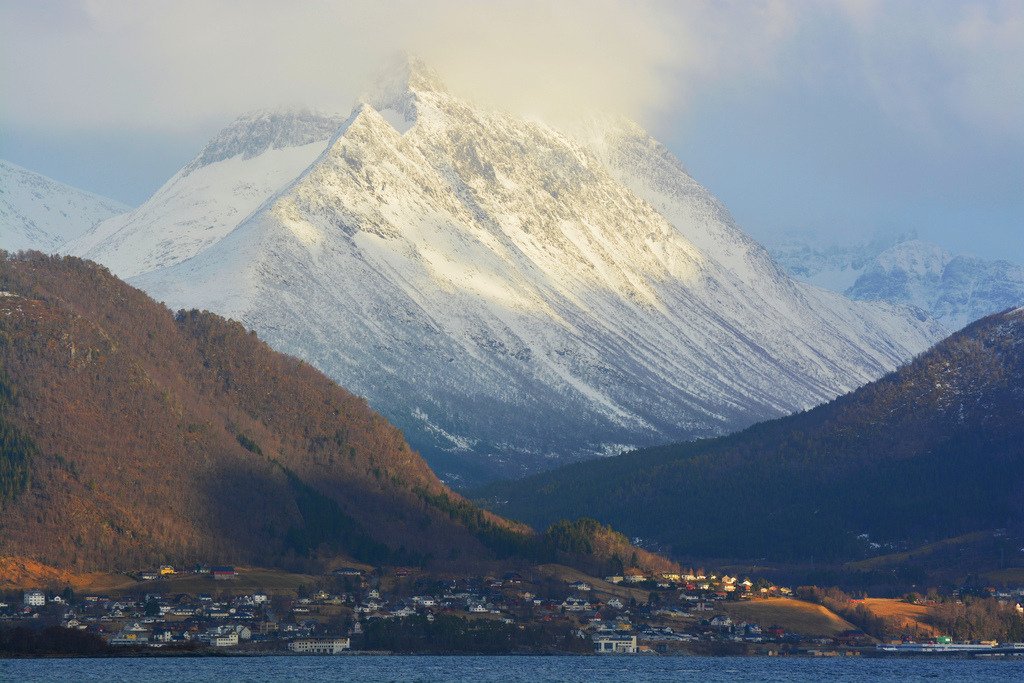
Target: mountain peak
{"x":399,"y":83}
{"x":407,"y":72}
{"x":255,"y":132}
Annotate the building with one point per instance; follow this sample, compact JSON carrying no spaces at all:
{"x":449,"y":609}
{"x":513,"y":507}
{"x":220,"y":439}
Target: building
{"x":614,"y":643}
{"x":166,"y":570}
{"x":34,"y":598}
{"x":224,"y":639}
{"x":223,"y":573}
{"x":347,"y":571}
{"x":320,"y":646}
{"x":134,"y":634}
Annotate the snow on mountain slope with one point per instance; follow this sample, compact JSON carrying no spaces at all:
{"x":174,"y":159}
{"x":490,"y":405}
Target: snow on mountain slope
{"x":954,"y":289}
{"x":238,"y":170}
{"x":513,"y":296}
{"x":834,"y":266}
{"x":37,"y":212}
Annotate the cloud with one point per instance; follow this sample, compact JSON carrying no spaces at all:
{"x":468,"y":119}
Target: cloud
{"x":941,"y":68}
{"x":178,"y":65}
{"x":172,"y":64}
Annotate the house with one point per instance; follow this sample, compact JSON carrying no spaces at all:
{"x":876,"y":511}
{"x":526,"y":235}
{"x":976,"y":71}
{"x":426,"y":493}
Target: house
{"x":166,"y":570}
{"x":223,"y":573}
{"x":135,"y":634}
{"x":222,"y":639}
{"x":347,"y":571}
{"x":34,"y":598}
{"x":634,"y":576}
{"x":614,"y":579}
{"x":720,"y":622}
{"x":614,"y":642}
{"x":320,"y":646}
{"x":575,"y":605}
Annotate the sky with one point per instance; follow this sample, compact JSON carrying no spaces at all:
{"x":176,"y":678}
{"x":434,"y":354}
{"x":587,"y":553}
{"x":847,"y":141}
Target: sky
{"x":840,"y":119}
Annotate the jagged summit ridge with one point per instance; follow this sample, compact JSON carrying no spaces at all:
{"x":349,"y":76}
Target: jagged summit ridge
{"x":953,"y":288}
{"x":241,"y":168}
{"x":399,"y":89}
{"x":256,"y":132}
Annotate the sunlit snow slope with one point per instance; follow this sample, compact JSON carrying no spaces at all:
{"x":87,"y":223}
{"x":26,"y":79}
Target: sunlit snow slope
{"x":37,"y":212}
{"x":514,"y":296}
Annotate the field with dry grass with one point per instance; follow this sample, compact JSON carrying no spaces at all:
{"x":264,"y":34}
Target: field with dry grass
{"x":18,"y":573}
{"x":603,"y":589}
{"x":805,"y":618}
{"x":907,"y":615}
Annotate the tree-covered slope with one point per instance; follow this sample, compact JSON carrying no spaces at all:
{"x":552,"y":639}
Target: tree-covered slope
{"x":930,"y":451}
{"x":130,"y":436}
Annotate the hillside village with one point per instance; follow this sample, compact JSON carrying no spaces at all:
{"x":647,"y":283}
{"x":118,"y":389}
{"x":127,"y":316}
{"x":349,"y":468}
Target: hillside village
{"x":353,"y":609}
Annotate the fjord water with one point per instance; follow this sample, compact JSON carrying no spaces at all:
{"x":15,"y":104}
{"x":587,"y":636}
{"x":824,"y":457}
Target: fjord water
{"x":509,"y":669}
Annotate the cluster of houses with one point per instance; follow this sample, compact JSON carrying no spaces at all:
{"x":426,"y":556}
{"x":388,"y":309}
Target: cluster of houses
{"x":636,"y":613}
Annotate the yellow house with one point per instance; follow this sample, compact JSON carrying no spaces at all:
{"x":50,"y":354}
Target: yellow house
{"x":166,"y":570}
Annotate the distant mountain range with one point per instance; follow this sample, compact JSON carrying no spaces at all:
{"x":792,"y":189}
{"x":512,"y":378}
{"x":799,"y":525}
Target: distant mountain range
{"x":510,"y":295}
{"x":955,"y":289}
{"x":131,"y":437}
{"x":37,"y":212}
{"x":930,"y":452}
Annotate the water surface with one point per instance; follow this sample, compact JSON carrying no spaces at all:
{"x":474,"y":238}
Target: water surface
{"x":509,"y":669}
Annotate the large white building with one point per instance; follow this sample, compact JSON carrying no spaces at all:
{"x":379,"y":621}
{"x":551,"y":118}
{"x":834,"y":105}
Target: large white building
{"x":34,"y":598}
{"x":320,"y":646}
{"x":614,"y":643}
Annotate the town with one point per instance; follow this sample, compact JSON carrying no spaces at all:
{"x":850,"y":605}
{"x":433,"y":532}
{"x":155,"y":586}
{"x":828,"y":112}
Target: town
{"x":545,"y":609}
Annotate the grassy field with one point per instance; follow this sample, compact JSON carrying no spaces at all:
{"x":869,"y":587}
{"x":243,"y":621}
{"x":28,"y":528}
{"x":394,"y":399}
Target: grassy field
{"x":20,"y":573}
{"x":602,"y":589}
{"x":909,"y":616}
{"x":797,"y":616}
{"x":249,"y":580}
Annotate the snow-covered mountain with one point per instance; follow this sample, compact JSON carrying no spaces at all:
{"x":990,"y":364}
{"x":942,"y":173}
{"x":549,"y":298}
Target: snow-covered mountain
{"x":509,"y":294}
{"x":37,"y":212}
{"x":955,"y":289}
{"x":829,"y":264}
{"x":236,"y":172}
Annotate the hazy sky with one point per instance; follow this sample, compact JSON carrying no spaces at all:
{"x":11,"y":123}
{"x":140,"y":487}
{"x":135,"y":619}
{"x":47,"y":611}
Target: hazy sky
{"x":843,"y":118}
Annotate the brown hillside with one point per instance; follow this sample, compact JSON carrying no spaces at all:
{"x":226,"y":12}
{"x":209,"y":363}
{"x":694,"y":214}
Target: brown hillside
{"x":132,"y":437}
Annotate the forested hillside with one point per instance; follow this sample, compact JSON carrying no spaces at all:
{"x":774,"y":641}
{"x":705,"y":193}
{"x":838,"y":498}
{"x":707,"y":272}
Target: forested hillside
{"x":130,"y":436}
{"x":930,"y":451}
